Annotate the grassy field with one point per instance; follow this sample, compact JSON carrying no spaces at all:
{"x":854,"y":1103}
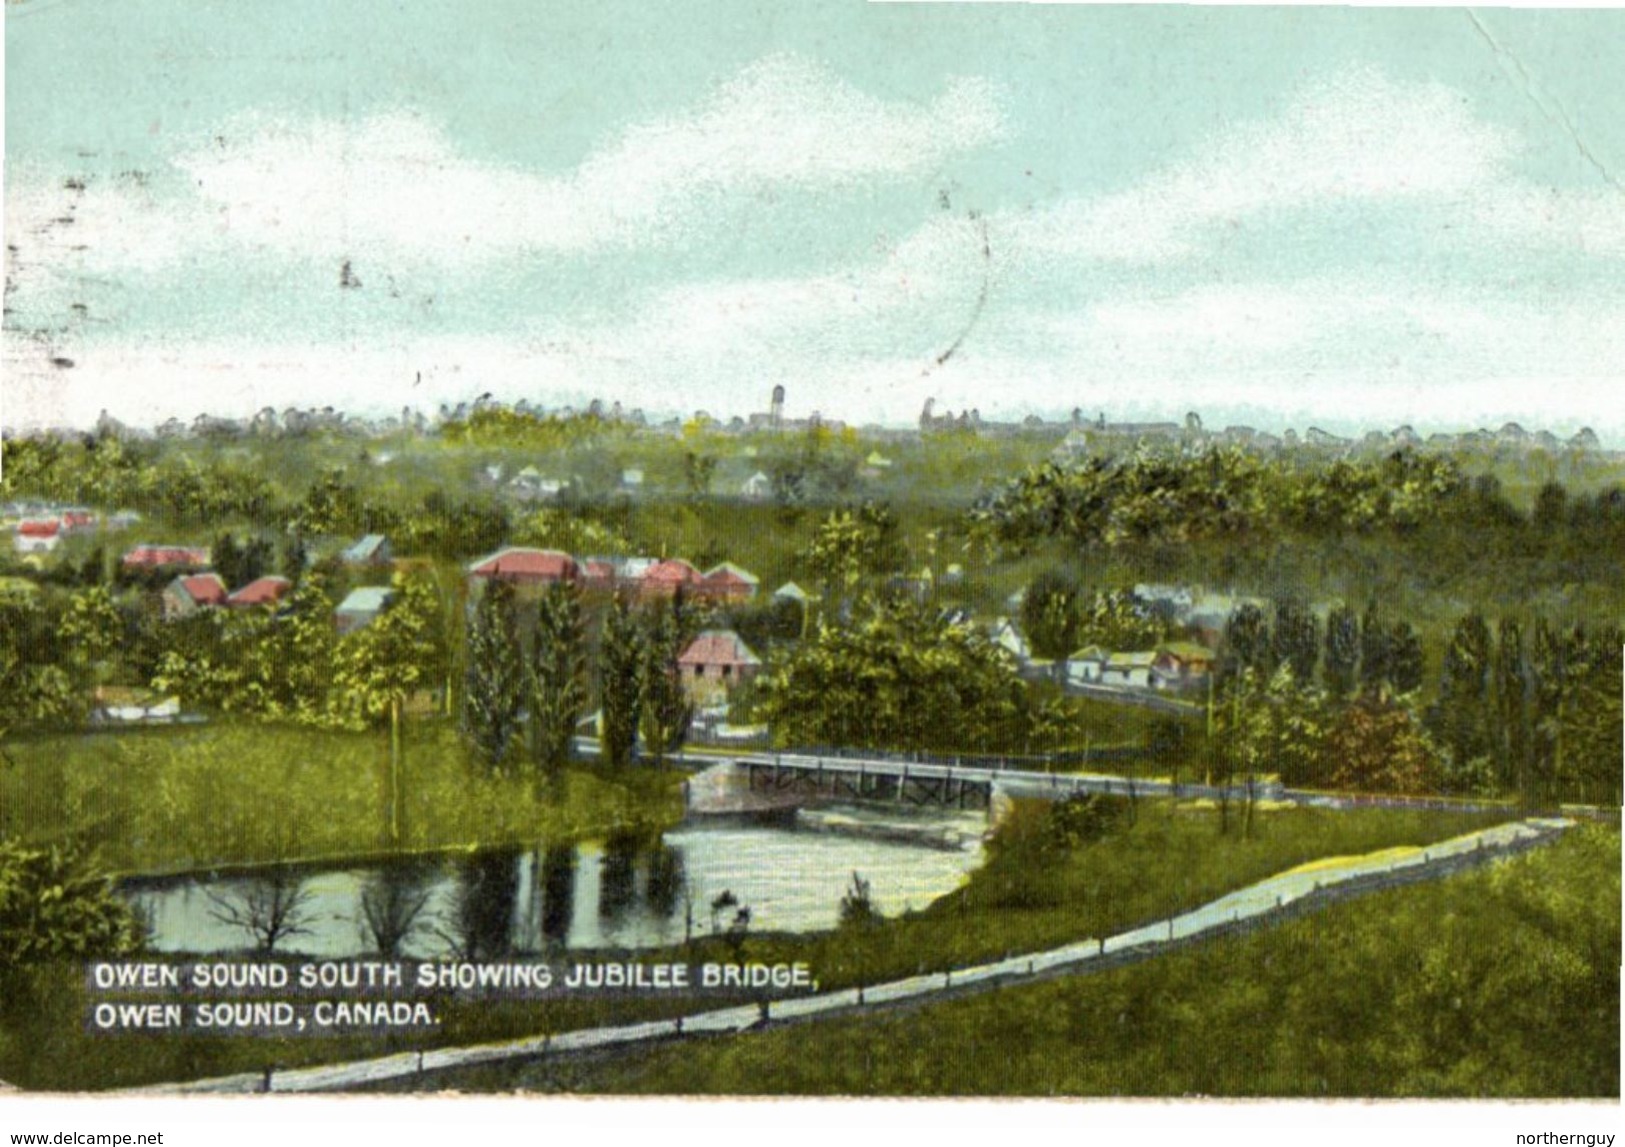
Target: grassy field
{"x":1040,"y":887}
{"x":1496,"y":983}
{"x":158,"y":800}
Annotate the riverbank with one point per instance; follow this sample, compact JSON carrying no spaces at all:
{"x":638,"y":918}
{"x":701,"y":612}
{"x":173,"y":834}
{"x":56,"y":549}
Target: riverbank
{"x":1502,"y":982}
{"x":1051,"y":878}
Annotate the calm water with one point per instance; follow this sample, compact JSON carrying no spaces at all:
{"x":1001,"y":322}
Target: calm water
{"x":620,"y":893}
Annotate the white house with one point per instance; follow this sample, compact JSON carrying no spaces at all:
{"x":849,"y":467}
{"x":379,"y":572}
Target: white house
{"x":757,"y":487}
{"x":37,"y":537}
{"x":1085,"y":666}
{"x":1128,"y":669}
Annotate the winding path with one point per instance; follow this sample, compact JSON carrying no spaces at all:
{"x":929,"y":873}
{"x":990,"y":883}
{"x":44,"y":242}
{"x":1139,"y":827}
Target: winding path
{"x":1304,"y":888}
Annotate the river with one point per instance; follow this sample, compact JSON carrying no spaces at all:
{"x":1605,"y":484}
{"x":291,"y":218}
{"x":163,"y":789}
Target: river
{"x":618,"y":893}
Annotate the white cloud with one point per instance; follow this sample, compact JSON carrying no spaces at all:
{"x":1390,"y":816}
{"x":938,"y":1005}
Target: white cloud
{"x":395,"y":185}
{"x":931,"y":278}
{"x":1581,"y":222}
{"x":1357,"y":136}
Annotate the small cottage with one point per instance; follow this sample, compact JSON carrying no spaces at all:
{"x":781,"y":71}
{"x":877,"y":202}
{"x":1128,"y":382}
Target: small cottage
{"x":361,"y":607}
{"x":715,"y":663}
{"x":37,"y":537}
{"x":189,"y":593}
{"x":728,"y":582}
{"x":372,"y":550}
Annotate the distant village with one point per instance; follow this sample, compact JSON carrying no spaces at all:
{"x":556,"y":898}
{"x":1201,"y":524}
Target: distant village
{"x":713,"y":665}
{"x":1074,"y":432}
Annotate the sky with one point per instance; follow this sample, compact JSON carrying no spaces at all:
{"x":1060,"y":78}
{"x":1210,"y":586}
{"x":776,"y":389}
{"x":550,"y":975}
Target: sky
{"x":1346,"y":218}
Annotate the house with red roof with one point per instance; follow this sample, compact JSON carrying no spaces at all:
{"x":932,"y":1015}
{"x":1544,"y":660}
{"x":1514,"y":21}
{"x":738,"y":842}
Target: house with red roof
{"x":714,"y":663}
{"x":262,"y":591}
{"x":189,"y":593}
{"x":526,"y":568}
{"x":728,"y":582}
{"x":147,"y":556}
{"x":37,"y":536}
{"x":665,"y":578}
{"x":77,"y":520}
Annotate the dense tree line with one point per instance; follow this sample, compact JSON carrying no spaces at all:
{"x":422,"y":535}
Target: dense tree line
{"x":1225,"y":492}
{"x":1539,"y":719}
{"x":525,"y":696}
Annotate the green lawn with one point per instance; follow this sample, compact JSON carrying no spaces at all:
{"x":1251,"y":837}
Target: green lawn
{"x":155,"y":800}
{"x":1496,"y":983}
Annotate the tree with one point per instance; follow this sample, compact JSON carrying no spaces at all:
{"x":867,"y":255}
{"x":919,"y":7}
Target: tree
{"x":1509,"y":690}
{"x":301,"y":650}
{"x":1246,"y":644}
{"x":1376,"y":650}
{"x":225,"y":556}
{"x":392,"y":905}
{"x":1049,"y":614}
{"x":1404,"y":654}
{"x":494,"y":693}
{"x":620,"y":681}
{"x":667,"y":709}
{"x":1376,"y":746}
{"x":1294,"y":639}
{"x":839,"y":552}
{"x":52,"y":907}
{"x":698,"y":472}
{"x":271,"y":908}
{"x":1340,"y":669}
{"x":897,"y":677}
{"x":1112,"y":620}
{"x":91,"y":627}
{"x":558,"y":691}
{"x":380,"y":665}
{"x":295,"y":557}
{"x":1458,"y":718}
{"x":1275,"y":726}
{"x":1590,"y":722}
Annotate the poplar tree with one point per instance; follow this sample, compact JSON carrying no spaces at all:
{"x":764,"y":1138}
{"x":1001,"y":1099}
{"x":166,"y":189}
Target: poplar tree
{"x":667,"y":710}
{"x":558,"y":690}
{"x":1246,"y":644}
{"x":1509,"y":687}
{"x":620,"y":685}
{"x":494,"y":694}
{"x":1294,"y":640}
{"x":1404,"y":652}
{"x":1458,"y":716}
{"x":1341,"y":667}
{"x":1376,"y":651}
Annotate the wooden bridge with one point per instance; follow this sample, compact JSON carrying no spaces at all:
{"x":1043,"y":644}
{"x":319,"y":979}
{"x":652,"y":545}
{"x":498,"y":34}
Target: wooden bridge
{"x":782,"y":779}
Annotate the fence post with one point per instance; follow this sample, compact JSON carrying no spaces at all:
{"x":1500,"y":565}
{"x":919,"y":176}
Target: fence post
{"x":1101,"y":950}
